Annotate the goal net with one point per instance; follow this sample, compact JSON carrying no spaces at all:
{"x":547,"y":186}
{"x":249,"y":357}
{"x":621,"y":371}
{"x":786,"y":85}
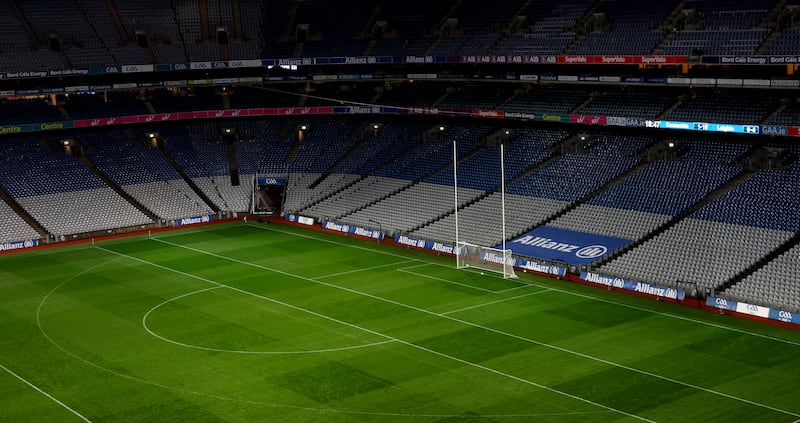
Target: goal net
{"x":485,"y":258}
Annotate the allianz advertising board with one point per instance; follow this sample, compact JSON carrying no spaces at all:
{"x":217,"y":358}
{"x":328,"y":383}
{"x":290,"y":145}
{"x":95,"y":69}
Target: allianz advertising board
{"x":565,"y":245}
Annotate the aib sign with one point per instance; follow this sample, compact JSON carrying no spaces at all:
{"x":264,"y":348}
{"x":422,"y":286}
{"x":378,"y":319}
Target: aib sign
{"x":565,"y":245}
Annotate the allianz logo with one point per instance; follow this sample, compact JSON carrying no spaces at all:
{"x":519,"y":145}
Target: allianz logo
{"x":588,"y":252}
{"x":494,"y":258}
{"x":592,"y":251}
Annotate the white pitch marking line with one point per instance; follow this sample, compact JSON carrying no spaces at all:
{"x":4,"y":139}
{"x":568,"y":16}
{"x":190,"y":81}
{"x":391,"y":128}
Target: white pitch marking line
{"x":563,"y":291}
{"x":44,"y":393}
{"x":523,"y":286}
{"x":417,"y":265}
{"x":233,"y":288}
{"x":266,"y":404}
{"x":422,"y":275}
{"x":363,"y":269}
{"x":198,"y":347}
{"x":400,"y":341}
{"x":497,"y":331}
{"x":497,"y":301}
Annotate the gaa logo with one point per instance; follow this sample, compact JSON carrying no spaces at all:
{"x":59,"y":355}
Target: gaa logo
{"x":592,"y":251}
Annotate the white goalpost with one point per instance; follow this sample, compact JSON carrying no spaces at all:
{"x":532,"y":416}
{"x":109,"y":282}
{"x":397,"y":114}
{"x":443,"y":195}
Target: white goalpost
{"x":478,"y":256}
{"x":485,"y":258}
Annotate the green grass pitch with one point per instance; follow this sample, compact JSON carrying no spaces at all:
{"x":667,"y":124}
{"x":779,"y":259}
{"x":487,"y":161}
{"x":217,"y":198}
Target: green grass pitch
{"x":245,"y":323}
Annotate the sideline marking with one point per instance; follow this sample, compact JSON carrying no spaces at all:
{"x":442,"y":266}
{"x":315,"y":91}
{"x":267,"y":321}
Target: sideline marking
{"x":400,"y":341}
{"x":475,"y":325}
{"x":44,"y":393}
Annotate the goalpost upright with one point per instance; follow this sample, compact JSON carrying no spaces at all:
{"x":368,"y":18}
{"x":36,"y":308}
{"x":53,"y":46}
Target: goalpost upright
{"x":455,"y":189}
{"x":503,"y":191}
{"x":483,"y":257}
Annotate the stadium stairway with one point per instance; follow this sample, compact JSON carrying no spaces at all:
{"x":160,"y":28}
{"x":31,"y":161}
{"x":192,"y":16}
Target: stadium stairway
{"x":784,"y":103}
{"x":516,"y":24}
{"x":671,"y":108}
{"x":558,"y":150}
{"x":21,"y":212}
{"x":412,"y":183}
{"x":669,"y":26}
{"x":781,"y":249}
{"x":357,"y":180}
{"x":202,"y":6}
{"x":290,"y":20}
{"x":226,"y":102}
{"x":357,"y":132}
{"x":669,"y":21}
{"x":771,"y":22}
{"x":64,"y":113}
{"x":346,"y":186}
{"x":233,"y":166}
{"x":24,"y":21}
{"x":238,"y":28}
{"x":189,"y":180}
{"x":449,"y":13}
{"x":720,"y":191}
{"x":369,"y":25}
{"x":112,"y":11}
{"x":114,"y":186}
{"x":630,"y":172}
{"x":468,"y":203}
{"x":474,"y":200}
{"x":224,"y":54}
{"x":581,"y":25}
{"x":149,"y":106}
